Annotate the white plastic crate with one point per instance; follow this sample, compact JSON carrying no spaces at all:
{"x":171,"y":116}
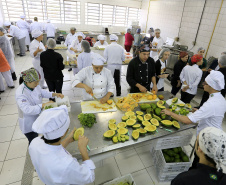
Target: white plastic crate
{"x":64,"y":101}
{"x":163,"y":167}
{"x":180,"y":139}
{"x":166,"y":177}
{"x":127,"y":178}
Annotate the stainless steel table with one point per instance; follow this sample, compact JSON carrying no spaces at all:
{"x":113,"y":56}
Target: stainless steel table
{"x":100,"y":145}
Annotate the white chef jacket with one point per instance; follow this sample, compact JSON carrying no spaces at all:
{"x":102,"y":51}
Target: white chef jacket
{"x":160,"y":83}
{"x":36,"y":26}
{"x":159,"y":42}
{"x":84,"y":60}
{"x":25,"y":28}
{"x":76,"y":45}
{"x":114,"y":54}
{"x":211,"y":113}
{"x":101,"y":83}
{"x":36,"y":59}
{"x":69,"y":39}
{"x":29,"y":104}
{"x":192,"y":75}
{"x":50,"y":30}
{"x":16,"y":32}
{"x":99,"y":44}
{"x":55,"y":165}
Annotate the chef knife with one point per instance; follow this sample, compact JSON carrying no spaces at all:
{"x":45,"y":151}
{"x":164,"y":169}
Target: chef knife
{"x":95,"y":98}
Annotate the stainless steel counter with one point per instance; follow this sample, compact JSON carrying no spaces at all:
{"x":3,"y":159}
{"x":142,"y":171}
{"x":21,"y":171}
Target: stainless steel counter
{"x":100,"y":145}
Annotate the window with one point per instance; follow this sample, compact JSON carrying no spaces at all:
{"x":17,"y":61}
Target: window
{"x":101,"y":14}
{"x":58,"y":11}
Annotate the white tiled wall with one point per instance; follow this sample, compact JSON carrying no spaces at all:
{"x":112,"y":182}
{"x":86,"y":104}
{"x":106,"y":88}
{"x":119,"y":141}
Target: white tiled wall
{"x":166,"y":15}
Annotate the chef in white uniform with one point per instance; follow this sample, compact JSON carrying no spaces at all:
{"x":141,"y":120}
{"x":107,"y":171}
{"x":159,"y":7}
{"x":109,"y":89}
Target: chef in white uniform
{"x":85,"y":58}
{"x":16,"y":32}
{"x":101,"y":41}
{"x":76,"y":47}
{"x":156,"y":44}
{"x":96,"y":80}
{"x":24,"y":27}
{"x":211,"y":113}
{"x":36,"y":25}
{"x":36,"y":48}
{"x":52,"y":162}
{"x":50,"y":30}
{"x":71,"y":36}
{"x":115,"y":55}
{"x":29,"y":97}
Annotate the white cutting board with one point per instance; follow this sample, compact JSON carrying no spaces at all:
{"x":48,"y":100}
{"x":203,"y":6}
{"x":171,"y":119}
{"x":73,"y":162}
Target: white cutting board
{"x":88,"y":108}
{"x":144,"y":99}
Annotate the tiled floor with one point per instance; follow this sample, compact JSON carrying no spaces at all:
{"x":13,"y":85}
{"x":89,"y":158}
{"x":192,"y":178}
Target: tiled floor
{"x":13,"y":144}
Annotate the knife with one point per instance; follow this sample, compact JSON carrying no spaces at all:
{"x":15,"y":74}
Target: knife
{"x":95,"y":98}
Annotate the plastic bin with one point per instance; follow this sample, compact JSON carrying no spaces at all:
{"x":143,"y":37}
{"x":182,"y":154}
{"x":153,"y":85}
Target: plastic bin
{"x":64,"y":101}
{"x":126,"y":178}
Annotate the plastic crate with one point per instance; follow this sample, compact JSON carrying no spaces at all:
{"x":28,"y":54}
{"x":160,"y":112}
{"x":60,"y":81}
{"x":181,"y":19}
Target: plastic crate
{"x":126,"y":178}
{"x":180,"y":139}
{"x":163,"y":167}
{"x":166,"y":177}
{"x":64,"y":101}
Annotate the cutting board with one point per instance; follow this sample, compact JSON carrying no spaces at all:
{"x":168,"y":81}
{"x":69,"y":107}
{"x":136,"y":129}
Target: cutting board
{"x":88,"y":107}
{"x":144,"y":99}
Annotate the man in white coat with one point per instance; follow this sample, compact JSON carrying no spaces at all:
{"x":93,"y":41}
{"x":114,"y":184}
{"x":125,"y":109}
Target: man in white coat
{"x":16,"y":32}
{"x":36,"y":48}
{"x":52,"y":162}
{"x":114,"y":54}
{"x":36,"y":25}
{"x":156,"y":44}
{"x":50,"y":30}
{"x":24,"y":27}
{"x":95,"y":80}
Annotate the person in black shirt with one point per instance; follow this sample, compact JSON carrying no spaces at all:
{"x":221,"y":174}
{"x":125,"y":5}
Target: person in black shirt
{"x":175,"y":82}
{"x":149,"y":37}
{"x":211,"y":149}
{"x":141,"y":72}
{"x":52,"y":64}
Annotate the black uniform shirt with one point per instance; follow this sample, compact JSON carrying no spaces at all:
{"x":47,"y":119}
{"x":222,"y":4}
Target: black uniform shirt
{"x":178,"y":67}
{"x":203,"y":175}
{"x":142,"y":73}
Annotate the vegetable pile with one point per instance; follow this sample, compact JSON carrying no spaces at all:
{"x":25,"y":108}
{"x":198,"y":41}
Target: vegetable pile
{"x":48,"y":107}
{"x":87,"y":119}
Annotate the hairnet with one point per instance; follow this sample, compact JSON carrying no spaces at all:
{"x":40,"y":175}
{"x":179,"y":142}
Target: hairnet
{"x":73,"y":28}
{"x":80,"y":34}
{"x":222,"y":60}
{"x":36,"y":33}
{"x":86,"y":46}
{"x":200,"y":49}
{"x":196,"y":58}
{"x":113,"y":37}
{"x":97,"y":59}
{"x":51,"y":43}
{"x":212,"y":141}
{"x":215,"y":80}
{"x":2,"y":30}
{"x":157,"y":30}
{"x":128,"y":30}
{"x":138,"y":30}
{"x":30,"y":75}
{"x":151,"y":29}
{"x":162,"y":52}
{"x":101,"y":37}
{"x":7,"y":23}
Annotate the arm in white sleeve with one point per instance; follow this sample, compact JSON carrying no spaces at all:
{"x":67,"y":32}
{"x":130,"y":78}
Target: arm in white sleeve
{"x":26,"y":107}
{"x":79,"y":63}
{"x":32,"y":49}
{"x":106,"y":53}
{"x":80,"y":174}
{"x":111,"y":83}
{"x":197,"y":80}
{"x":123,"y":55}
{"x":79,"y":77}
{"x":11,"y":31}
{"x":72,"y":45}
{"x":66,"y":41}
{"x":46,"y":94}
{"x":182,"y":79}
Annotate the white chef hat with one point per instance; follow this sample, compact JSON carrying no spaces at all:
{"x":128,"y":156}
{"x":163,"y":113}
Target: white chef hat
{"x":52,"y":123}
{"x":80,"y":34}
{"x":215,"y":80}
{"x":36,"y":33}
{"x":7,"y":23}
{"x":212,"y":141}
{"x":48,"y":21}
{"x":101,"y":37}
{"x":113,"y":37}
{"x":97,"y":59}
{"x":22,"y":16}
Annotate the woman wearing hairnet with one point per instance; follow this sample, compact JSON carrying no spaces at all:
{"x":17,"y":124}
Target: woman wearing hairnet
{"x":101,"y":41}
{"x":160,"y":68}
{"x":36,"y":48}
{"x":29,"y":97}
{"x":156,"y":44}
{"x":84,"y":58}
{"x":8,"y":52}
{"x":52,"y":64}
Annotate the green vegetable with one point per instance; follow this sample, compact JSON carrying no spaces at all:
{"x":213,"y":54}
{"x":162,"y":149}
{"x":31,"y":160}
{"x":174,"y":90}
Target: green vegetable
{"x":87,"y":119}
{"x":48,"y":107}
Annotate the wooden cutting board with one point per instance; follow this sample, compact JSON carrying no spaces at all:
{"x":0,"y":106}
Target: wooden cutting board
{"x":89,"y":107}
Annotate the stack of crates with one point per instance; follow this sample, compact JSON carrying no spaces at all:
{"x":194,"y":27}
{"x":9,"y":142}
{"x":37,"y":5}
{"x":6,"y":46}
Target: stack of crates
{"x":168,"y":171}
